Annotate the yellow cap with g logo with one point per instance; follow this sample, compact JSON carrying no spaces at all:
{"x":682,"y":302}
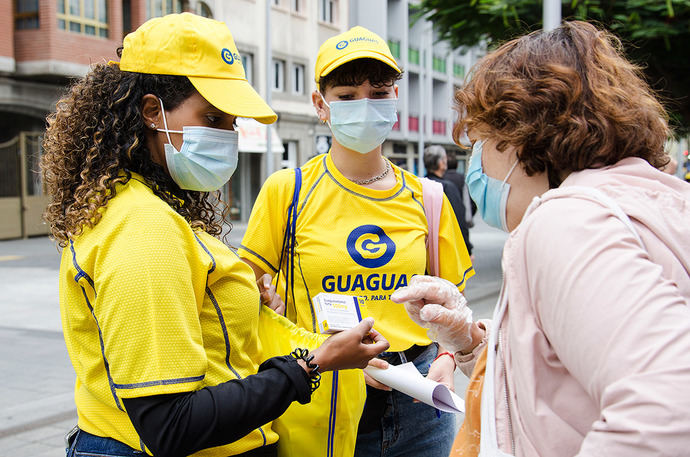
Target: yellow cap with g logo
{"x":204,"y":51}
{"x":356,"y":43}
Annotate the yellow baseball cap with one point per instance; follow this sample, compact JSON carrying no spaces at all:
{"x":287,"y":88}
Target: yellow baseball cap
{"x":202,"y":50}
{"x":356,"y":43}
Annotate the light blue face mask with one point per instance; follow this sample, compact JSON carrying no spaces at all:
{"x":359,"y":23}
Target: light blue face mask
{"x":206,"y":160}
{"x":490,"y":195}
{"x":362,"y":125}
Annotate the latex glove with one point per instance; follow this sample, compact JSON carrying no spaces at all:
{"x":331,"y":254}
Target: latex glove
{"x":269,"y":295}
{"x":438,"y":305}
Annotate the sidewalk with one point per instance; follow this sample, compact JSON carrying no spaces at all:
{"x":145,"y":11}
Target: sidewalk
{"x":36,"y":376}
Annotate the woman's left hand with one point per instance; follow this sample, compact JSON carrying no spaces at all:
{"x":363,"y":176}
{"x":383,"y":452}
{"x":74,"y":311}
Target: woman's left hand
{"x":442,"y":370}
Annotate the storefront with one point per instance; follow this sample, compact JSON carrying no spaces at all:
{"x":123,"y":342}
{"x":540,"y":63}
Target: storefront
{"x":242,"y":190}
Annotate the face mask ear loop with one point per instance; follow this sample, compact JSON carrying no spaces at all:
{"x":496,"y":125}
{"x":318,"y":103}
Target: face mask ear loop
{"x":328,"y":121}
{"x":165,"y":122}
{"x":510,"y":172}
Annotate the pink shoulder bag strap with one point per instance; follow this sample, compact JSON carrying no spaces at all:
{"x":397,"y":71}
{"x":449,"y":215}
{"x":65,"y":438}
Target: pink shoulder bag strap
{"x":432,"y":199}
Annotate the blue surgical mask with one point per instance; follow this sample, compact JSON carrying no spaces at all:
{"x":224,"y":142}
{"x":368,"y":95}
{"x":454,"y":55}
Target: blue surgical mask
{"x":362,"y":125}
{"x":206,"y":160}
{"x":490,"y":195}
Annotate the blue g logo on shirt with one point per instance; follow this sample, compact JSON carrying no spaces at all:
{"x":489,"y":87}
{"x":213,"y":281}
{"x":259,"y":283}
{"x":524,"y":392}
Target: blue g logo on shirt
{"x":341,"y":45}
{"x":227,"y":56}
{"x":370,"y":247}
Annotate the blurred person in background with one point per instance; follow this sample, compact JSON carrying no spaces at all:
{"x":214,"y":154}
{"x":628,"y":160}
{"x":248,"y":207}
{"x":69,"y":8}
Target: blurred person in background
{"x":436,"y":164}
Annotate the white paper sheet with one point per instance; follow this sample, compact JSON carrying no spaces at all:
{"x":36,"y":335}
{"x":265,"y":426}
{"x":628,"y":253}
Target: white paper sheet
{"x":406,"y":379}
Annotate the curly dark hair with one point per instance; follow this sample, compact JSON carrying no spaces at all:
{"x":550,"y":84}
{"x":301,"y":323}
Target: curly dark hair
{"x":96,"y":132}
{"x":567,"y":99}
{"x":355,"y":72}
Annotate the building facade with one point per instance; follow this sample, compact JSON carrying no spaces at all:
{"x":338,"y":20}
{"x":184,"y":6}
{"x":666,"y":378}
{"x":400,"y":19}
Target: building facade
{"x":46,"y":43}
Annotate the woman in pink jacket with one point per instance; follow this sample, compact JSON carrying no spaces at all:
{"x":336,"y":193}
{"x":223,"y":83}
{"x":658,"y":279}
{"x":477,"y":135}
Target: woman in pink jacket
{"x":588,"y":353}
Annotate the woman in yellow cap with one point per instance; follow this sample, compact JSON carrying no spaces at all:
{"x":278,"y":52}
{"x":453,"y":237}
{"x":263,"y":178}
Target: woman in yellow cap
{"x":160,"y":318}
{"x":351,"y":222}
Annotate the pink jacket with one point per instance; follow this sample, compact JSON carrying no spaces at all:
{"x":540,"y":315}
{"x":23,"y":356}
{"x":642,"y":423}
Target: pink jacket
{"x":596,"y":340}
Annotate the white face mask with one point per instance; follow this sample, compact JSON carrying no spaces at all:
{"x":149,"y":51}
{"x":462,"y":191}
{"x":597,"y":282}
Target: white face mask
{"x":362,"y":125}
{"x":206,"y":160}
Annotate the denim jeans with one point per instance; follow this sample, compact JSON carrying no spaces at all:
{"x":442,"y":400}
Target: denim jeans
{"x":86,"y":444}
{"x":83,"y":444}
{"x":408,"y":428}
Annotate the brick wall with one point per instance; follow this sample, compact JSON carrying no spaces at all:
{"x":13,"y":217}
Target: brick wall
{"x":6,"y":27}
{"x":51,"y":43}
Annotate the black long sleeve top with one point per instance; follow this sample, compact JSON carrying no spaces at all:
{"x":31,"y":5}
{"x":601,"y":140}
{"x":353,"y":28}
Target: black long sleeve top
{"x":175,"y":425}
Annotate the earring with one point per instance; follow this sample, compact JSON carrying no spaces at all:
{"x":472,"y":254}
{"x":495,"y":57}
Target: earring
{"x":153,"y":126}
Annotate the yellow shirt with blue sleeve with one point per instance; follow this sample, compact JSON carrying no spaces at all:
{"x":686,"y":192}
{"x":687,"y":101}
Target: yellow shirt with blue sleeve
{"x":150,"y":306}
{"x":352,"y":240}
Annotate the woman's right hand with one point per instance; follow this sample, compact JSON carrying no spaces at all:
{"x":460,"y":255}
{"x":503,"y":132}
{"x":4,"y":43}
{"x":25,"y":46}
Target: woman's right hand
{"x":351,"y":348}
{"x":269,"y":294}
{"x":437,"y":304}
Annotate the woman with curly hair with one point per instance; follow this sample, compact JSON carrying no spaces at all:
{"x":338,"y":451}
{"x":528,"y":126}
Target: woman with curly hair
{"x":161,"y":318}
{"x":588,"y":352}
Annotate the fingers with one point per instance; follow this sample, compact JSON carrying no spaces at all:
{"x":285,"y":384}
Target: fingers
{"x":279,"y":306}
{"x":374,"y":383}
{"x":364,"y":327}
{"x":426,"y":288}
{"x":378,"y":363}
{"x":264,"y":282}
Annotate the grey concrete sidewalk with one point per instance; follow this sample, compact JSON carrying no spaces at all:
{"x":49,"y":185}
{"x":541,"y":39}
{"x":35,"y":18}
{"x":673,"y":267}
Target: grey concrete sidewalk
{"x":36,"y":376}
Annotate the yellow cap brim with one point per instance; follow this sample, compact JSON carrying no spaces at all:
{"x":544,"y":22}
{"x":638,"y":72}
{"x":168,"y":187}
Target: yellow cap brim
{"x":363,"y":54}
{"x":234,"y":96}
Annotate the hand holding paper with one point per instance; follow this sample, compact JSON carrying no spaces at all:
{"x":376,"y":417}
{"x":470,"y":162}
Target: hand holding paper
{"x":406,"y":379}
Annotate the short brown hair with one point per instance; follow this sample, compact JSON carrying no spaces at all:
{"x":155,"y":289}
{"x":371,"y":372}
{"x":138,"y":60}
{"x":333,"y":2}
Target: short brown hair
{"x":357,"y":71}
{"x":567,"y":99}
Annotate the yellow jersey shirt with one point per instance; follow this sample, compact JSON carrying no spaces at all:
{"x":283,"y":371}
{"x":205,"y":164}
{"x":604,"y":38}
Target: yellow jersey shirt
{"x":150,"y":306}
{"x":352,"y":240}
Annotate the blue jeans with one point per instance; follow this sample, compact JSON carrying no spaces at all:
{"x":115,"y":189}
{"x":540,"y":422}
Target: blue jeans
{"x":83,"y":444}
{"x":408,"y":428}
{"x":86,"y":444}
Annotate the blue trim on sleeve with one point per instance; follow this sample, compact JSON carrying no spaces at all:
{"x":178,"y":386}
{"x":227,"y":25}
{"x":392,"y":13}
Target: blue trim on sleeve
{"x":213,"y":260}
{"x":258,"y":256}
{"x":221,"y":321}
{"x":162,"y":382}
{"x":80,"y":273}
{"x":464,"y":276}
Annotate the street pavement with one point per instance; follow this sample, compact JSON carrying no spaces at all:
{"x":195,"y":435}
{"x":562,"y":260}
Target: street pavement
{"x":36,"y":376}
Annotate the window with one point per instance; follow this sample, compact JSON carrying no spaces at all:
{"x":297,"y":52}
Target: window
{"x":296,"y":7}
{"x":394,"y":45}
{"x":276,"y":2}
{"x":438,"y":64}
{"x":326,"y":10}
{"x":204,"y":10}
{"x":278,"y":75}
{"x":155,"y":8}
{"x":413,"y":55}
{"x":298,"y":79}
{"x":89,"y":17}
{"x":248,"y":64}
{"x":126,"y":16}
{"x":26,"y":14}
{"x":459,"y":70}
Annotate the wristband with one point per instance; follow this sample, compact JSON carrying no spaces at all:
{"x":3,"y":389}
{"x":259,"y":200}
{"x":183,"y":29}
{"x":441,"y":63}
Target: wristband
{"x":445,"y":353}
{"x":314,"y":375}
